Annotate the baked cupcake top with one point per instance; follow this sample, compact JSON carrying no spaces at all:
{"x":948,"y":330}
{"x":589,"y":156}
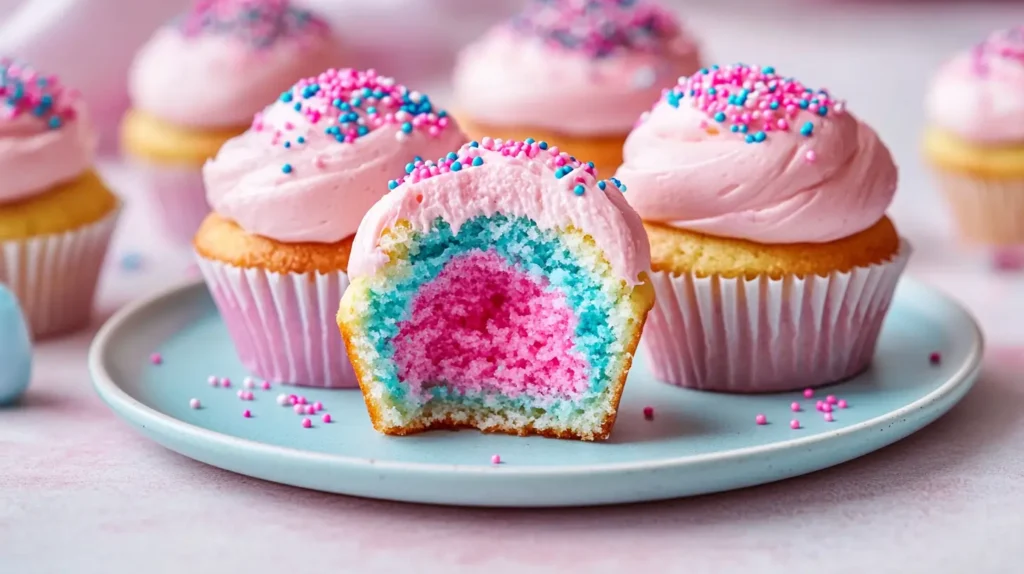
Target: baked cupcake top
{"x":579,"y":66}
{"x":979,"y":94}
{"x":316,"y":159}
{"x":743,"y":152}
{"x":516,"y":179}
{"x":45,"y":136}
{"x":222,"y":61}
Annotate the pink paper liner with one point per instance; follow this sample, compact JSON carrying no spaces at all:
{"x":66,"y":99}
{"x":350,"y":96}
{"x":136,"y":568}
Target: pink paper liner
{"x":986,"y":211}
{"x":283,"y":325}
{"x":54,"y":276}
{"x":177,"y":198}
{"x":766,"y":335}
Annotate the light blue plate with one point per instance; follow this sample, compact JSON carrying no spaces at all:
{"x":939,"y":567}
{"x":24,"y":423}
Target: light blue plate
{"x":697,"y":443}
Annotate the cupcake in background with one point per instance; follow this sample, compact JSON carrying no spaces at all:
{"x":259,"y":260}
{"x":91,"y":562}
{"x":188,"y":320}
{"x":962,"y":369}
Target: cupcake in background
{"x":199,"y":81}
{"x":575,"y":74}
{"x":773,"y":260}
{"x":975,"y":138}
{"x":287,"y":198}
{"x":56,"y":215}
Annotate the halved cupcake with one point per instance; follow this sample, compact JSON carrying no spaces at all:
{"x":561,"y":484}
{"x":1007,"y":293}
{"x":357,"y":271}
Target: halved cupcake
{"x":503,"y":288}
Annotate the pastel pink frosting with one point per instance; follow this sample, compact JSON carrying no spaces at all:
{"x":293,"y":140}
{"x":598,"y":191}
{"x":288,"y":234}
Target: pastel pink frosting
{"x":685,"y":169}
{"x":509,"y":77}
{"x":40,"y":151}
{"x":329,"y":184}
{"x":517,"y":180}
{"x":212,"y":80}
{"x":979,"y":95}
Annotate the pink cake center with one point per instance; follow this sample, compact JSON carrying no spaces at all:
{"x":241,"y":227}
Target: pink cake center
{"x":483,"y":327}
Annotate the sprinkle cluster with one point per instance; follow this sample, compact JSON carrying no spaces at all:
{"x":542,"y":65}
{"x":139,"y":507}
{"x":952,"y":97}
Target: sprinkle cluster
{"x":598,"y":28}
{"x":470,"y":155}
{"x":258,"y":23}
{"x":1003,"y":45}
{"x":24,"y":91}
{"x":826,"y":407}
{"x":752,"y":101}
{"x":349,"y":104}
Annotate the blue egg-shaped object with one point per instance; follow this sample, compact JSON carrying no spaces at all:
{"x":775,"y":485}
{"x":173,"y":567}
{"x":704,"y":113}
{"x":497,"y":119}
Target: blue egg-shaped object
{"x":15,"y":349}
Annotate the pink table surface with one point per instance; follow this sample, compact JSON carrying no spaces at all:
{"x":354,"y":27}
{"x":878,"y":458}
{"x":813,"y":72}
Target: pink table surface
{"x":80,"y":492}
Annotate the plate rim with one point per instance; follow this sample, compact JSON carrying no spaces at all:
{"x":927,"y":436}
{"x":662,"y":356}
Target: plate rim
{"x":127,"y":407}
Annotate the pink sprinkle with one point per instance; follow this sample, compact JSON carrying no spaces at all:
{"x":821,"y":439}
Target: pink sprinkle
{"x":794,"y":424}
{"x":842,"y":403}
{"x":649,"y":413}
{"x":225,"y":382}
{"x":265,"y":386}
{"x":310,"y":410}
{"x":293,"y":400}
{"x":247,"y":383}
{"x":246,"y":413}
{"x":326,"y":418}
{"x":808,"y":393}
{"x":761,"y":420}
{"x":318,"y":406}
{"x":241,"y":394}
{"x":306,"y":423}
{"x":819,"y":405}
{"x":811,"y":156}
{"x":795,"y":407}
{"x":212,"y":380}
{"x":831,"y":399}
{"x":826,"y":408}
{"x":935,"y":358}
{"x":299,"y":409}
{"x":194,"y":403}
{"x":302,"y":400}
{"x":495,"y":459}
{"x":828,"y":417}
{"x":156,"y":359}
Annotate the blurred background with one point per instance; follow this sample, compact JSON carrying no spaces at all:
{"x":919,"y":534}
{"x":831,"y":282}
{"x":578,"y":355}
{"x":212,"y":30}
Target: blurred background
{"x":877,"y":54}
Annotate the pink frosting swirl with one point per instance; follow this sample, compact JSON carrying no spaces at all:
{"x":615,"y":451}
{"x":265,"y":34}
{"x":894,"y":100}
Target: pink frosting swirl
{"x":223,"y":61}
{"x":744,"y":153}
{"x":583,"y":68}
{"x":45,"y":136}
{"x":516,"y":179}
{"x":979,"y":95}
{"x":316,"y":160}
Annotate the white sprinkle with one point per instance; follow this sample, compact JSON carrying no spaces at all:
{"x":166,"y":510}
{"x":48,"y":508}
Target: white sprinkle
{"x":283,"y":400}
{"x":194,"y":403}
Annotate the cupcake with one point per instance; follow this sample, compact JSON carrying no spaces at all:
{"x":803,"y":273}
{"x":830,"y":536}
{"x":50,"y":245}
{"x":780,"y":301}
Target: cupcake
{"x":501,"y":288}
{"x":56,"y":215}
{"x":287,"y":197}
{"x":199,"y":81}
{"x":975,"y":138}
{"x":576,"y":74}
{"x":773,"y":261}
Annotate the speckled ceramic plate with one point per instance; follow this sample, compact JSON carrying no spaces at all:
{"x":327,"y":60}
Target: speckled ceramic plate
{"x":696,"y":443}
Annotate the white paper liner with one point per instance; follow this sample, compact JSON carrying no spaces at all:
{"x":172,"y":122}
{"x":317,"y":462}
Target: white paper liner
{"x":283,"y":325}
{"x":54,"y":276}
{"x":767,"y":335}
{"x":176,"y":197}
{"x":986,"y":211}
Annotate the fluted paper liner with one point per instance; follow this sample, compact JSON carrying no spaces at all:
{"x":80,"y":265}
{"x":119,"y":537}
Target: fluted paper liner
{"x":768,"y":335}
{"x":177,"y":198}
{"x":283,"y":324}
{"x":54,"y":276}
{"x":986,"y":211}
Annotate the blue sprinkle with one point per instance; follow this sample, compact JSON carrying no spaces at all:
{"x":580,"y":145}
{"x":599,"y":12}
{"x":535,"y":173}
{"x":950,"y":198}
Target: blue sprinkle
{"x":287,"y":168}
{"x":286,"y":97}
{"x":456,"y":166}
{"x":287,"y":144}
{"x":823,"y":111}
{"x":750,"y":139}
{"x":735,"y":128}
{"x":712,"y":91}
{"x":367,"y":92}
{"x":131,"y":261}
{"x":54,"y":122}
{"x":769,"y":70}
{"x":442,"y":114}
{"x":744,"y":128}
{"x":301,"y":140}
{"x":452,"y":156}
{"x":356,"y":101}
{"x":559,"y":173}
{"x":417,"y":158}
{"x":298,"y":106}
{"x":392,"y":184}
{"x":760,"y":136}
{"x":579,"y":189}
{"x":407,"y":128}
{"x":590,"y":164}
{"x":529,"y":141}
{"x":410,"y":167}
{"x":602,"y":185}
{"x":543,"y":145}
{"x":803,"y":104}
{"x":363,"y":130}
{"x":807,"y":129}
{"x":371,"y":110}
{"x":720,"y":117}
{"x":622,"y":187}
{"x":474,"y":143}
{"x":774,"y":105}
{"x":478,"y":161}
